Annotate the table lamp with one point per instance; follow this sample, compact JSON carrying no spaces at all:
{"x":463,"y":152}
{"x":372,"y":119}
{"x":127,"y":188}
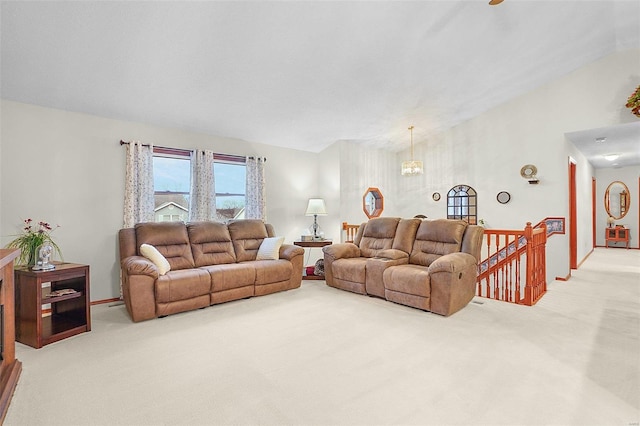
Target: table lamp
{"x":316,"y":208}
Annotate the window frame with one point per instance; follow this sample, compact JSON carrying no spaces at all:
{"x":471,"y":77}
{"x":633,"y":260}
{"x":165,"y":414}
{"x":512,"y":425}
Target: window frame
{"x":185,"y":154}
{"x":462,"y":203}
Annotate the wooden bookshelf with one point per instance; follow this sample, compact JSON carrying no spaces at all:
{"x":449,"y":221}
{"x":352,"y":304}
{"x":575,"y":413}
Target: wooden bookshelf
{"x":70,"y":313}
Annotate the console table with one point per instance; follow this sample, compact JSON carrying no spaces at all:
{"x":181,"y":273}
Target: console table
{"x":617,"y":234}
{"x":70,"y":313}
{"x":313,"y":244}
{"x":10,"y":367}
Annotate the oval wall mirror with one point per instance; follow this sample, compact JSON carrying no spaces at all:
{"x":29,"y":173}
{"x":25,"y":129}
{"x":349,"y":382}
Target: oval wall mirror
{"x":617,"y":199}
{"x":372,"y":202}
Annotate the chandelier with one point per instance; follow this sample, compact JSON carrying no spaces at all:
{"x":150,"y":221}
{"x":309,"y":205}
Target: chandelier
{"x":412,"y":167}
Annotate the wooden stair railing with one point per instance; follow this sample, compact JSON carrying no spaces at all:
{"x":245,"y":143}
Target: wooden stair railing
{"x":501,"y":275}
{"x":350,"y":232}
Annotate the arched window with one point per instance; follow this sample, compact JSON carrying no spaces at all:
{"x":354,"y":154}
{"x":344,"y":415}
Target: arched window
{"x":462,"y":204}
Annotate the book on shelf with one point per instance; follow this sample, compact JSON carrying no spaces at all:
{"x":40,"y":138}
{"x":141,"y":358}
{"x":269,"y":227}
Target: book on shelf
{"x":61,"y":292}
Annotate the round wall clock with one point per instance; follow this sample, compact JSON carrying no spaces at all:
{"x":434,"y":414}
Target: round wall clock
{"x":503,"y":197}
{"x":436,"y":196}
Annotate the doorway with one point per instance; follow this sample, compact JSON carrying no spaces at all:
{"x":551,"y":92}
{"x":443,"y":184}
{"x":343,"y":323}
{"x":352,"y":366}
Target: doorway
{"x":573,"y":226}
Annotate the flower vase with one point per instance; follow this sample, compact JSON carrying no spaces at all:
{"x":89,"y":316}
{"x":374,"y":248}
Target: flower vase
{"x":33,"y":257}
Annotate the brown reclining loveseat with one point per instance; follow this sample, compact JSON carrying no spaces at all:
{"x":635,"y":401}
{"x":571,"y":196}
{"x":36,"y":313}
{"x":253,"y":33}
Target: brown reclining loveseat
{"x":426,"y":264}
{"x":210,"y":262}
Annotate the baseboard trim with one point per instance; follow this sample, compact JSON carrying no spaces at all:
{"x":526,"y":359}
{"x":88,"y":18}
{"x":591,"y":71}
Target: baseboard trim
{"x":103,"y":301}
{"x":564,"y":278}
{"x":585,"y":258}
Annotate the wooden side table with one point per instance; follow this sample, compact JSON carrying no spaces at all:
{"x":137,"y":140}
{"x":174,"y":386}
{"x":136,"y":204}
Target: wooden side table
{"x":312,"y":244}
{"x":617,"y":234}
{"x":70,"y":313}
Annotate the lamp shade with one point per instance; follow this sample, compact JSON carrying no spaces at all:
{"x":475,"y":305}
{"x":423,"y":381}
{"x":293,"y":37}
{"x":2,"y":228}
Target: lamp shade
{"x":413,"y":167}
{"x":316,"y":207}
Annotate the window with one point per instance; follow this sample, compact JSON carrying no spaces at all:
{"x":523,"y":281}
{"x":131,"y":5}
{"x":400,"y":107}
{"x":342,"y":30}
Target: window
{"x":231,"y":178}
{"x":462,"y":204}
{"x":172,"y":182}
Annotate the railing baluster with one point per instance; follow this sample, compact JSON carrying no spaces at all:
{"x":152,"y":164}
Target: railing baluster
{"x":502,"y":270}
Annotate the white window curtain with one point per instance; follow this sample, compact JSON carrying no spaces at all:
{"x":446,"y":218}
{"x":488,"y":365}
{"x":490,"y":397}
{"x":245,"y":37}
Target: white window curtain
{"x":138,"y":190}
{"x":255,"y":206}
{"x":202,"y":201}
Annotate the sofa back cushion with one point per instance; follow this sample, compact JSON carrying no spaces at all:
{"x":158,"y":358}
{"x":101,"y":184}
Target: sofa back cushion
{"x":406,"y":234}
{"x":246,"y":236}
{"x":210,"y":243}
{"x":378,"y":235}
{"x":170,"y":238}
{"x":358,"y":237}
{"x":436,"y":238}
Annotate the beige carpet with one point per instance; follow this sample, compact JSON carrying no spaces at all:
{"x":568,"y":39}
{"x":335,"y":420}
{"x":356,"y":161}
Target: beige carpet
{"x":321,"y":356}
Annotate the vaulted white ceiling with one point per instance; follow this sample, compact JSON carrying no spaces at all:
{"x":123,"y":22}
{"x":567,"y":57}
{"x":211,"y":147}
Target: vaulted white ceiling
{"x":301,"y":74}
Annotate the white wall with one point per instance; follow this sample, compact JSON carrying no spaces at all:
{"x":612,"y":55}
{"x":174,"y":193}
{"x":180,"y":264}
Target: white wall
{"x":488,"y":151}
{"x":68,"y":169}
{"x":629,"y":176}
{"x":362,"y":168}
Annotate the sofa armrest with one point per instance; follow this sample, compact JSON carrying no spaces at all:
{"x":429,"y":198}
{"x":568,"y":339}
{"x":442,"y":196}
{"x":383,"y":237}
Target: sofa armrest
{"x":452,"y":262}
{"x":138,"y":265}
{"x":335,"y":252}
{"x":289,"y":251}
{"x":139,"y":276}
{"x":393,"y":254}
{"x":340,"y":251}
{"x":453,"y":282}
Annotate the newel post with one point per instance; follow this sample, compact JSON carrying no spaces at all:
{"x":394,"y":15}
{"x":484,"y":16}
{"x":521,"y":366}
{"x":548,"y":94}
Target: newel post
{"x":528,"y":234}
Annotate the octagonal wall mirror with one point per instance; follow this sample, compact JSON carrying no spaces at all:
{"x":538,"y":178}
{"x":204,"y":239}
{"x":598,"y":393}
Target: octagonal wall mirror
{"x":617,"y":199}
{"x":372,"y":202}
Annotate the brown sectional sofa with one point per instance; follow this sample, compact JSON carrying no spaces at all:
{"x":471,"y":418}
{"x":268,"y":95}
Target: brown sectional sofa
{"x":210,"y":263}
{"x":426,"y":264}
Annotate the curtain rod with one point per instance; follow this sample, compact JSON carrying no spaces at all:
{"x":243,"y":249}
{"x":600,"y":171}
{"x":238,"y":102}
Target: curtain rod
{"x":178,"y":151}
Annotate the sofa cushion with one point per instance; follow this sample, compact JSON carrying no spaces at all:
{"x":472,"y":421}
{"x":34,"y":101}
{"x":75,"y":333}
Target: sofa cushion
{"x":406,"y":234}
{"x":170,"y":238}
{"x":247,"y":235}
{"x":270,"y":248}
{"x":272,"y":271}
{"x":378,"y":235}
{"x":350,"y":269}
{"x":210,"y":243}
{"x":182,"y":284}
{"x":152,"y":253}
{"x":230,"y":276}
{"x":436,"y":238}
{"x":408,"y":279}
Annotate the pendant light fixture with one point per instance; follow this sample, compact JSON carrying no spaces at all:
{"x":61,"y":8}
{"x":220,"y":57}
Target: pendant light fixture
{"x":412,"y":167}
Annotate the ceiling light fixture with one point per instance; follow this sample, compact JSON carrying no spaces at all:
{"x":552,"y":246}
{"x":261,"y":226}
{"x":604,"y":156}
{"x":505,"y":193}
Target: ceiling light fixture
{"x":495,"y":2}
{"x":412,"y":167}
{"x":611,"y":157}
{"x":600,"y":140}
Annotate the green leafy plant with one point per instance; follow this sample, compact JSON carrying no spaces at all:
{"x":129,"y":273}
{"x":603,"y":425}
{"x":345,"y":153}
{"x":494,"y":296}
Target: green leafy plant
{"x":33,"y":236}
{"x":634,"y":102}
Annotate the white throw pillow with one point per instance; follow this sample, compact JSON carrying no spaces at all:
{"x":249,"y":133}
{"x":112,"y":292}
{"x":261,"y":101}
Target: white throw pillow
{"x":270,"y":248}
{"x":152,"y":253}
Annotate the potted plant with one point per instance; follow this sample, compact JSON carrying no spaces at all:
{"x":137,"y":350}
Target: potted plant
{"x":634,"y":102}
{"x":33,"y":236}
